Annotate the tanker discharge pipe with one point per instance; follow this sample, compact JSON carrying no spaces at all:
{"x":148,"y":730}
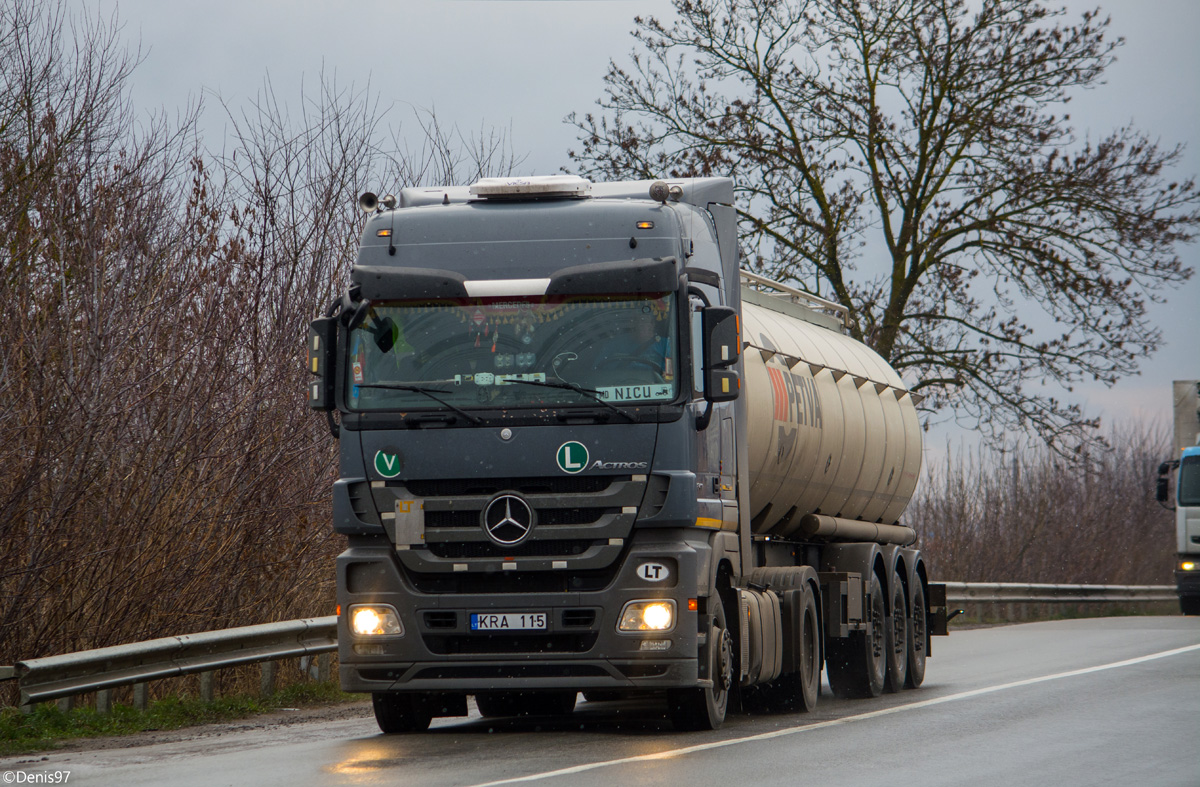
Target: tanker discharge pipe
{"x":837,"y":529}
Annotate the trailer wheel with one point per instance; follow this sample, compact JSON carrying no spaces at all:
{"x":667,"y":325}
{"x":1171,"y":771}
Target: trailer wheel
{"x":497,"y":704}
{"x":917,"y":638}
{"x":856,"y":665}
{"x":704,"y":708}
{"x":897,"y":639}
{"x":400,"y":713}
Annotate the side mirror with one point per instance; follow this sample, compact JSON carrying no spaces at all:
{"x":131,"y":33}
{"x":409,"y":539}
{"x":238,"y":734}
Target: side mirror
{"x":1160,"y":490}
{"x":722,"y":337}
{"x":322,"y":361}
{"x":722,"y":333}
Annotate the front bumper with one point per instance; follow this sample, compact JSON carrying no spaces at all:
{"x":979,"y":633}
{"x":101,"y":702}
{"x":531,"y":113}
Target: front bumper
{"x":1188,"y":583}
{"x":580,"y":648}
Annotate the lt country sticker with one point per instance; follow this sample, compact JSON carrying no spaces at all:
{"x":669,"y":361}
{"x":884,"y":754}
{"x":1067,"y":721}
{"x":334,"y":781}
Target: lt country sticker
{"x":387,"y":463}
{"x":572,"y":457}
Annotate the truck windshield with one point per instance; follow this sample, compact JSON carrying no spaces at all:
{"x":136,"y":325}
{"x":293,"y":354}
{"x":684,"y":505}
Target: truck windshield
{"x":1189,"y":481}
{"x":472,"y":353}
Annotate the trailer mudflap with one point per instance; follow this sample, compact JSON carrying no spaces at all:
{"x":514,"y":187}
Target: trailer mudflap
{"x":938,"y":614}
{"x":842,"y":593}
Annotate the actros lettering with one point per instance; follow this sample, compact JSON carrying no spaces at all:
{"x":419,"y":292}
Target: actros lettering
{"x":599,"y":465}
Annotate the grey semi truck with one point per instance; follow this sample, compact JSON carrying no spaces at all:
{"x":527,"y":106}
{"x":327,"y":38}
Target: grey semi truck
{"x":582,"y":451}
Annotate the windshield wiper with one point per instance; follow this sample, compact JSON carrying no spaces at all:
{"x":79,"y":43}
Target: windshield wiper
{"x":430,"y":392}
{"x":588,"y":392}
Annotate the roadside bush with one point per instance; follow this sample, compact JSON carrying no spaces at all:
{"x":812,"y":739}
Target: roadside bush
{"x":1024,"y":515}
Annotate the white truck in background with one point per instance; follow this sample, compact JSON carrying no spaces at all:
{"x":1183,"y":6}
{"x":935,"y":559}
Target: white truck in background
{"x":1184,"y":468}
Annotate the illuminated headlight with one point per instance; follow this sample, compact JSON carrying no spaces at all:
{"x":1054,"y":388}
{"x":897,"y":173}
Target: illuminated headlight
{"x":1187,"y":565}
{"x":655,"y":615}
{"x":374,"y":620}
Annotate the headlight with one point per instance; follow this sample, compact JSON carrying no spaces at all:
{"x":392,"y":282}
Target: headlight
{"x":374,"y":620}
{"x":655,"y":615}
{"x":1187,"y":565}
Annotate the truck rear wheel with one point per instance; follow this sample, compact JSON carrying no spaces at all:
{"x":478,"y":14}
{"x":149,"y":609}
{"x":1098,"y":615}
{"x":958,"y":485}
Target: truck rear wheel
{"x":918,"y":641}
{"x":497,"y":704}
{"x":704,"y":708}
{"x":400,"y":713}
{"x":856,"y":665}
{"x":897,"y":638}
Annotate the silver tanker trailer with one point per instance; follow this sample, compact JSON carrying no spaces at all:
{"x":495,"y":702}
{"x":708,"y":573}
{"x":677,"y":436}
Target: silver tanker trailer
{"x":581,"y":451}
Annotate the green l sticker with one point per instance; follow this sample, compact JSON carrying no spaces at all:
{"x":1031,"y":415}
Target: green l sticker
{"x":387,"y":464}
{"x":572,"y":457}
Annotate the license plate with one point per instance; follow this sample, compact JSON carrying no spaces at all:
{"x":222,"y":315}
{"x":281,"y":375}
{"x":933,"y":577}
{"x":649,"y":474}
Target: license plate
{"x":507,"y":621}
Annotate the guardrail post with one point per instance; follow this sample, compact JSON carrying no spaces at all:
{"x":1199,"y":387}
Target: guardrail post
{"x":267,"y":683}
{"x":141,"y":697}
{"x":104,"y":701}
{"x":324,"y":662}
{"x":65,"y":704}
{"x":208,"y":681}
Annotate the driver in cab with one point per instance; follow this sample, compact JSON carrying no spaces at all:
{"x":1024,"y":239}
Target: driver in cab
{"x":642,"y":346}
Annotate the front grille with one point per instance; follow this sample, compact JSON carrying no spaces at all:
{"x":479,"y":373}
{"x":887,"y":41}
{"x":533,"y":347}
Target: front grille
{"x":585,"y":521}
{"x":477,"y":644}
{"x":547,"y":517}
{"x":580,"y":618}
{"x":548,"y":548}
{"x":462,"y":487}
{"x":441,"y":620}
{"x":504,"y":582}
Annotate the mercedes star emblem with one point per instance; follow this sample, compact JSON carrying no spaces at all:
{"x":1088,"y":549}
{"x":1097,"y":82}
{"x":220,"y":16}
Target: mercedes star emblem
{"x":507,"y":520}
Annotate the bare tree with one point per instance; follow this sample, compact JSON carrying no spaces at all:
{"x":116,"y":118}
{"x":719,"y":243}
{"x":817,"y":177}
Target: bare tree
{"x":1001,"y":250}
{"x":160,"y":472}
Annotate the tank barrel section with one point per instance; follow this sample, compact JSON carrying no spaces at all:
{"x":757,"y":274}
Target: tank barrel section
{"x":833,"y":431}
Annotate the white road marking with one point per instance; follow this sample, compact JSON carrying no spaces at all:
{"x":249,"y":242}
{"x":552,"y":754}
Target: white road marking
{"x":664,"y":755}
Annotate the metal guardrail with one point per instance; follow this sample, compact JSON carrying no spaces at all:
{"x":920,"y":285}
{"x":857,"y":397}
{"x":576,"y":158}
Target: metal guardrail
{"x":104,"y":669}
{"x":1014,"y":592}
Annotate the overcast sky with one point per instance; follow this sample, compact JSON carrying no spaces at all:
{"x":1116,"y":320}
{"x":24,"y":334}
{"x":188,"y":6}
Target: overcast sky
{"x":526,"y":64}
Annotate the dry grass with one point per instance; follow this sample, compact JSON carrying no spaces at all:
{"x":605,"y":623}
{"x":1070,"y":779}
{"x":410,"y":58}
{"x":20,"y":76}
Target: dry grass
{"x":1025,"y":516}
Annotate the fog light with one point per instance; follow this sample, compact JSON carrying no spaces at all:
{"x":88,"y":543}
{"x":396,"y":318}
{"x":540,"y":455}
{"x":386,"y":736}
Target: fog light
{"x":655,"y":615}
{"x":377,"y":620}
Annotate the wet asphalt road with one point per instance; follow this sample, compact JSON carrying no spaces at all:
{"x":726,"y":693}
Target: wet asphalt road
{"x":1084,"y":702}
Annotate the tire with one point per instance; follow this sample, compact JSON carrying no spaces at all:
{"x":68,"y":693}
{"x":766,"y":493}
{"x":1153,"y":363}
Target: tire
{"x":857,"y":665}
{"x":498,"y":704}
{"x":799,"y":691}
{"x":704,"y":708}
{"x":918,"y":638}
{"x":897,"y":639}
{"x":1189,"y":605}
{"x":400,"y":713}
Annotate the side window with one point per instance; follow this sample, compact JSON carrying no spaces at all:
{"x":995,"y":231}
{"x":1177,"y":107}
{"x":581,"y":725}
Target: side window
{"x":706,"y":255}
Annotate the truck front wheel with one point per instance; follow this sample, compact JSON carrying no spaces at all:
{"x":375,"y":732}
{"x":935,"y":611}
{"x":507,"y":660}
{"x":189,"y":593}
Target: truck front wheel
{"x":400,"y":713}
{"x":1189,"y":605}
{"x":704,"y":708}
